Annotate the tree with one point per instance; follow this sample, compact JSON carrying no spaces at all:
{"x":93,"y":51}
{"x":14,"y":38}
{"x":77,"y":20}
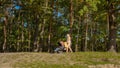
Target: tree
{"x":37,"y":25}
{"x":112,"y":25}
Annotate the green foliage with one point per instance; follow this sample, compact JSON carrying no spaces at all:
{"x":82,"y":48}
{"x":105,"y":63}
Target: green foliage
{"x":81,"y":12}
{"x":52,"y":17}
{"x":89,"y":6}
{"x":63,"y":29}
{"x":31,"y":1}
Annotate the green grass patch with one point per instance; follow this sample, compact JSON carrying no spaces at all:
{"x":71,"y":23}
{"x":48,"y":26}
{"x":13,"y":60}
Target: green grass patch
{"x":45,"y":65}
{"x":64,"y":60}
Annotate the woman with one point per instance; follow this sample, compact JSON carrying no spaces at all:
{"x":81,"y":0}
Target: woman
{"x":69,"y":43}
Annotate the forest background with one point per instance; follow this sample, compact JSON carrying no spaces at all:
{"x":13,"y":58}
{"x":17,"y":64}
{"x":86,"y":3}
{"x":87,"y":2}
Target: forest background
{"x":37,"y":25}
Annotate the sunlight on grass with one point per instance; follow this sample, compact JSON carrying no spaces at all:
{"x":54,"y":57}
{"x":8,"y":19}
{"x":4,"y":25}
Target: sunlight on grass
{"x":65,"y":60}
{"x":45,"y":65}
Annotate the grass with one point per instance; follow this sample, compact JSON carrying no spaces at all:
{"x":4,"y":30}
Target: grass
{"x":64,"y":60}
{"x":46,"y":65}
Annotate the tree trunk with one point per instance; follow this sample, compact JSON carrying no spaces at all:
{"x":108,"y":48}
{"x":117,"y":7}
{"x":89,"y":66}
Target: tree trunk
{"x":29,"y":40}
{"x":5,"y":34}
{"x":22,"y":36}
{"x":50,"y":29}
{"x":112,"y":29}
{"x":18,"y":36}
{"x":107,"y":32}
{"x":82,"y":35}
{"x":91,"y":37}
{"x":71,"y":16}
{"x":35,"y":43}
{"x":18,"y":43}
{"x":86,"y":32}
{"x":5,"y":31}
{"x":77,"y":44}
{"x":42,"y":35}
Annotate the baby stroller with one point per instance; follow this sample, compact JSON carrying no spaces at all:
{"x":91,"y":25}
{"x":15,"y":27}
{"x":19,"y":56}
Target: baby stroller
{"x":60,"y":48}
